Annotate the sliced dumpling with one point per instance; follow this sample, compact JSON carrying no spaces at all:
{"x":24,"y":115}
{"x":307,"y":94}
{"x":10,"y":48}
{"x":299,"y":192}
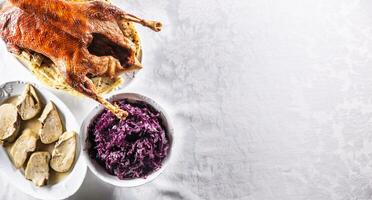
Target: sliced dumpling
{"x":9,"y":122}
{"x":23,"y":145}
{"x":37,"y":169}
{"x":28,"y":103}
{"x":51,"y":124}
{"x":64,"y":151}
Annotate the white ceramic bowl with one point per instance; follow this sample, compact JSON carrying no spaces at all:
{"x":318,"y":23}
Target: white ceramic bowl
{"x":97,"y":169}
{"x":70,"y":184}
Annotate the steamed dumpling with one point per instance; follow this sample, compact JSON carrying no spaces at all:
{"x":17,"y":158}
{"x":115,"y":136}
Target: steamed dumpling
{"x":63,"y":154}
{"x":28,"y":104}
{"x":51,"y":124}
{"x":9,"y":122}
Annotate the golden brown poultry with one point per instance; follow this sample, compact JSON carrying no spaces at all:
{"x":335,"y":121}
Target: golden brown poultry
{"x":82,"y":39}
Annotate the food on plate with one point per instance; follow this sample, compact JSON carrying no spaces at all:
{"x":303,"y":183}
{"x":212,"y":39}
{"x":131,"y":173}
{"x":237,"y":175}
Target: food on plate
{"x":51,"y":124}
{"x":81,"y":43}
{"x":63,"y":154}
{"x":9,"y":122}
{"x":37,"y":169}
{"x":25,"y":144}
{"x":29,"y":154}
{"x":29,"y":104}
{"x":131,"y":148}
{"x":46,"y":71}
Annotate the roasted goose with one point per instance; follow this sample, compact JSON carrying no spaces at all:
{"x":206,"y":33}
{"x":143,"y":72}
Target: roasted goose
{"x":82,"y":39}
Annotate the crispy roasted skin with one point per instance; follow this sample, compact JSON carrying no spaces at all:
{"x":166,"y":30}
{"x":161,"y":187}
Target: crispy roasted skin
{"x":82,"y":39}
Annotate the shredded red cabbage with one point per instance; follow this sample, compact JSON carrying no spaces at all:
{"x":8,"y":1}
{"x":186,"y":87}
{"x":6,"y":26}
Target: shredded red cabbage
{"x":130,"y":148}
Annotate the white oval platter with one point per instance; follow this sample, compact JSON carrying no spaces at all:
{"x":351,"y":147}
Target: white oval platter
{"x":70,"y":184}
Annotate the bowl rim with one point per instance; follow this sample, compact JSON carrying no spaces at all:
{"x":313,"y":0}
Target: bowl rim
{"x":97,"y":169}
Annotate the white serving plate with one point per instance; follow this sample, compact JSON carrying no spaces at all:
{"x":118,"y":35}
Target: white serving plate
{"x":70,"y":184}
{"x":97,"y":169}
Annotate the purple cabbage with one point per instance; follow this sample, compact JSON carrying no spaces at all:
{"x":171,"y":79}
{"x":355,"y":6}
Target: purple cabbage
{"x":130,"y":148}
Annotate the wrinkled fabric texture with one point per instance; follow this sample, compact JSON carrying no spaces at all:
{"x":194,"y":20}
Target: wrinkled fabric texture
{"x":270,"y":100}
{"x":130,"y":148}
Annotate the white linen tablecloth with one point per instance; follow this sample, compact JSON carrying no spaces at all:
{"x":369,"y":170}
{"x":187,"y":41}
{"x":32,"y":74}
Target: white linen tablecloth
{"x":270,"y":99}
